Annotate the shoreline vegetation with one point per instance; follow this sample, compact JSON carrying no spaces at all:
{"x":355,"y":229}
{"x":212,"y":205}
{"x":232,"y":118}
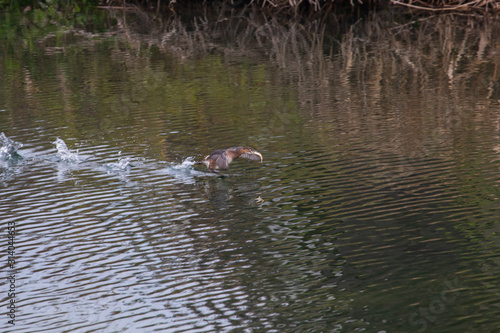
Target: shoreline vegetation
{"x":295,"y":8}
{"x":387,"y":53}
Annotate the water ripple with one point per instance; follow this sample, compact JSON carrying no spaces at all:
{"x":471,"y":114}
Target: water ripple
{"x":365,"y":207}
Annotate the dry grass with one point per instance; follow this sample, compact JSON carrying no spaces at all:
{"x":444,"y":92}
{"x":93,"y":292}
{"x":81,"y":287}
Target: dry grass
{"x":450,"y":5}
{"x":424,"y":5}
{"x":304,"y":7}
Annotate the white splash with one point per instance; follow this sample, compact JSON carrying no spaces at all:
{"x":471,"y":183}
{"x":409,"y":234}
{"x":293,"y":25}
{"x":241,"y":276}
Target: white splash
{"x":122,"y":165}
{"x":184,"y":171}
{"x":8,"y":148}
{"x":64,"y":153}
{"x":186,"y":164}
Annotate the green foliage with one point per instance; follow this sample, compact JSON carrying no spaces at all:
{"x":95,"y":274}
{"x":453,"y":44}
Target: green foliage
{"x":14,"y":5}
{"x":66,"y":6}
{"x":20,"y":28}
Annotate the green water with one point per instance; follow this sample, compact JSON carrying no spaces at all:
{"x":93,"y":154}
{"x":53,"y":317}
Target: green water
{"x":375,"y":208}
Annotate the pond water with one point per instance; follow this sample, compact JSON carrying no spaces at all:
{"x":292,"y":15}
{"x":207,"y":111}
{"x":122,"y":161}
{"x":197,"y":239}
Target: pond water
{"x":375,"y":208}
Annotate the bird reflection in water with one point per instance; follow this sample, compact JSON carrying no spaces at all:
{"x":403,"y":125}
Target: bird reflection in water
{"x":221,"y":158}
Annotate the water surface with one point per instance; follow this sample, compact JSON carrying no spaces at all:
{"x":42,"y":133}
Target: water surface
{"x":375,"y":208}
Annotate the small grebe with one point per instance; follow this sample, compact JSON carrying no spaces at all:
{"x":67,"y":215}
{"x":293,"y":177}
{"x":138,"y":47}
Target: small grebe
{"x":220,"y":158}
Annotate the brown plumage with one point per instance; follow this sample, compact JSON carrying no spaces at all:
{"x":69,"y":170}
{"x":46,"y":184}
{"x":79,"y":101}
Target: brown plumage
{"x":220,"y":158}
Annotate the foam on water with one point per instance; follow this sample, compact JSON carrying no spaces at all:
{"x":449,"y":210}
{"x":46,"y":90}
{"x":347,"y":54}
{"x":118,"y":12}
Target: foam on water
{"x":68,"y":160}
{"x":184,"y":171}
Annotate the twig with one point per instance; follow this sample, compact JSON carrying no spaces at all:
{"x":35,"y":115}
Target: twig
{"x":434,"y":9}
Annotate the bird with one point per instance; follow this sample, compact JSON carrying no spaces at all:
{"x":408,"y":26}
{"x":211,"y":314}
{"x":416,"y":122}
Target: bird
{"x":220,"y":158}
